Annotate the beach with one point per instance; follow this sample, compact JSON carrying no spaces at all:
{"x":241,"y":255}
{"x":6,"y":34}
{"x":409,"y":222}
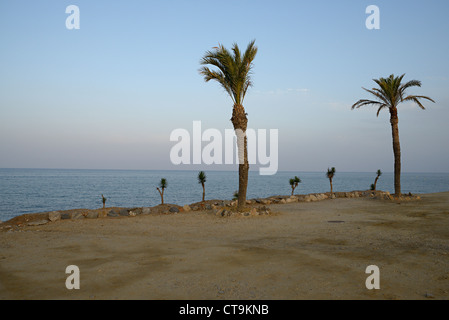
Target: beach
{"x":302,"y":250}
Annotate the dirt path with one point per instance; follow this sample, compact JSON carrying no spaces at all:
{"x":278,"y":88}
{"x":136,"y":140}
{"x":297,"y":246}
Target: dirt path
{"x":316,"y":250}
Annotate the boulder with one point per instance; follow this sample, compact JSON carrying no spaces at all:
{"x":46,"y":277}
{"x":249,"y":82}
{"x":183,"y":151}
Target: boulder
{"x":220,"y":212}
{"x":146,"y":210}
{"x":102,"y":214}
{"x":254,"y":212}
{"x":38,"y":222}
{"x":173,"y":210}
{"x":124,"y":212}
{"x":92,"y":215}
{"x":186,"y":208}
{"x":77,"y":216}
{"x":65,"y":216}
{"x":54,"y":216}
{"x":113,"y":214}
{"x":291,"y":199}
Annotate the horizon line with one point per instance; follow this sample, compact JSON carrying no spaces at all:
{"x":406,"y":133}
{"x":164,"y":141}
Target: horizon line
{"x":216,"y":170}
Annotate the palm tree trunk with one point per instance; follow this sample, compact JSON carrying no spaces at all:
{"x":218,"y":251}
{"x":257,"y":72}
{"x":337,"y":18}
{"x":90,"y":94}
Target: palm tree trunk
{"x":240,"y":121}
{"x":330,"y":180}
{"x":204,"y":191}
{"x":162,"y":195}
{"x":375,"y":182}
{"x":396,"y":150}
{"x":293,"y":190}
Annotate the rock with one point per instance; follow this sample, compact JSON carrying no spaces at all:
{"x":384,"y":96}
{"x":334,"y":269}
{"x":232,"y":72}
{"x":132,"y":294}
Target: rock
{"x":113,"y":214}
{"x":254,"y":212}
{"x":186,"y":208}
{"x":124,"y":212}
{"x":173,"y":210}
{"x":77,"y":216}
{"x":208,"y":207}
{"x":220,"y":212}
{"x":38,"y":222}
{"x":132,"y":213}
{"x":282,"y":201}
{"x":102,"y":214}
{"x":65,"y":216}
{"x":54,"y":216}
{"x":92,"y":215}
{"x":313,"y":197}
{"x":291,"y":199}
{"x":146,"y":211}
{"x":265,"y":201}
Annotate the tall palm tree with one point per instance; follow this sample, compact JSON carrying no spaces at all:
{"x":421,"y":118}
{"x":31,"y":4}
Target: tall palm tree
{"x":233,"y":73}
{"x":294,"y":183}
{"x":162,"y":186}
{"x":330,"y":175}
{"x":390,"y":94}
{"x":202,"y":181}
{"x":373,"y":186}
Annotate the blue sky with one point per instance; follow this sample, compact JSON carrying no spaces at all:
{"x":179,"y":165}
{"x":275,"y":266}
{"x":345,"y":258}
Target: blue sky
{"x":109,"y":94}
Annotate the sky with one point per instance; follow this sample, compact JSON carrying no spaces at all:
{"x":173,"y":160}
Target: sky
{"x":109,"y":94}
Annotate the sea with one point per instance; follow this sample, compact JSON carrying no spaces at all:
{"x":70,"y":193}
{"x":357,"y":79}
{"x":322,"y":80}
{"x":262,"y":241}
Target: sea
{"x":41,"y":190}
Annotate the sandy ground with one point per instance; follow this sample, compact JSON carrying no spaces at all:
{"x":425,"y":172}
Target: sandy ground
{"x":295,"y":254}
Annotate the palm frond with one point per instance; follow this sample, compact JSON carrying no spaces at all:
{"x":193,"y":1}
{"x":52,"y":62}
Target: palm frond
{"x":415,"y":99}
{"x":234,"y":69}
{"x":163,"y":183}
{"x":201,"y":177}
{"x":390,"y":93}
{"x":364,"y":102}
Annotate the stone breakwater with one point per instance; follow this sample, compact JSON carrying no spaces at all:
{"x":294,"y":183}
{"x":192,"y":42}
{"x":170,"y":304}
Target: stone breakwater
{"x":221,"y":208}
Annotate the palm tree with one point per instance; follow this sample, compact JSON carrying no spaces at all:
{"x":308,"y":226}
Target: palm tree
{"x":390,"y":94}
{"x":202,"y":181}
{"x":330,"y":175}
{"x":373,"y":186}
{"x":104,"y":201}
{"x":162,"y":185}
{"x":294,"y":183}
{"x":234,"y":75}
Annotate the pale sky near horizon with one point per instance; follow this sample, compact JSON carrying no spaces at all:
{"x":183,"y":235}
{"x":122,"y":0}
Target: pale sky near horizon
{"x":107,"y":96}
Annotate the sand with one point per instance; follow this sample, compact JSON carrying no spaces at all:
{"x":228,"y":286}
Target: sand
{"x":316,"y":250}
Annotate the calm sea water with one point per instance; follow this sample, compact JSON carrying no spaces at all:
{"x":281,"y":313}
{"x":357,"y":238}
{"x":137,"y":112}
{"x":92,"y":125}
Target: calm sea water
{"x":39,"y":190}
